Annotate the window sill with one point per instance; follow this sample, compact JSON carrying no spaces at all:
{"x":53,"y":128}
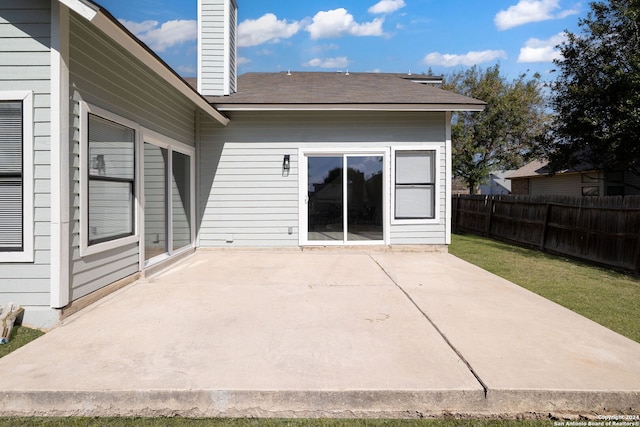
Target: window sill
{"x":23,"y":256}
{"x":107,"y":246}
{"x":431,"y":221}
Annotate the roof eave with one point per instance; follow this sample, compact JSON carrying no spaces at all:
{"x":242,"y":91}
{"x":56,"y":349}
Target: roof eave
{"x":112,"y":28}
{"x":348,"y":107}
{"x":551,"y":174}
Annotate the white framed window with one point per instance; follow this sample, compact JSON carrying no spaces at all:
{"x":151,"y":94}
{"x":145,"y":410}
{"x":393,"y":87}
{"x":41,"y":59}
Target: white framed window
{"x":415,"y":185}
{"x":16,"y":176}
{"x":109,"y":171}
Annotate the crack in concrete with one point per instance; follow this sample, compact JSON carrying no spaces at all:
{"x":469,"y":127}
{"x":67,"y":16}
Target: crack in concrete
{"x":426,"y":316}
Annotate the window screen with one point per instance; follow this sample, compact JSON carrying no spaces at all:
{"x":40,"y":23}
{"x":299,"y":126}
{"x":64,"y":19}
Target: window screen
{"x":415,"y":184}
{"x":111,"y":180}
{"x":11,"y":203}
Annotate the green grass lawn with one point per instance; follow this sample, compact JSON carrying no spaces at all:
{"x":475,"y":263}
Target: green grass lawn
{"x":604,"y":296}
{"x":19,"y":337}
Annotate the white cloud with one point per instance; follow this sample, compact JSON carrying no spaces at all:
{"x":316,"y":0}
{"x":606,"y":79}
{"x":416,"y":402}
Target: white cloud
{"x":139,"y":27}
{"x":161,"y":37}
{"x":241,"y":60}
{"x":334,"y":63}
{"x":317,"y":49}
{"x":467,"y":59}
{"x":527,"y":11}
{"x":267,"y":28}
{"x":536,"y":50}
{"x":338,"y":22}
{"x":387,"y":6}
{"x":187,"y":70}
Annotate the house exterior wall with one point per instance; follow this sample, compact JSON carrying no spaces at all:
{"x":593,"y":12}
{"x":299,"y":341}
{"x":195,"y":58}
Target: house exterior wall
{"x":247,"y":200}
{"x":520,"y":187}
{"x":104,"y":75}
{"x":565,"y":184}
{"x":25,"y":58}
{"x":632,"y":184}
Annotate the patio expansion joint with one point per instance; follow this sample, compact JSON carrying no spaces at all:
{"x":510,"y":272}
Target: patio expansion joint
{"x":438,"y":330}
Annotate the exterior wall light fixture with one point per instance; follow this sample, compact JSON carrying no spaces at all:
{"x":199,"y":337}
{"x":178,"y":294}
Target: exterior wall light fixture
{"x":286,"y":163}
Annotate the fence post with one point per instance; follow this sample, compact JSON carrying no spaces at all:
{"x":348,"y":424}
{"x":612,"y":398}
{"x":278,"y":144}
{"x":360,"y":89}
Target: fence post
{"x":547,"y":216}
{"x":637,"y":255}
{"x":488,"y":222}
{"x":454,"y":214}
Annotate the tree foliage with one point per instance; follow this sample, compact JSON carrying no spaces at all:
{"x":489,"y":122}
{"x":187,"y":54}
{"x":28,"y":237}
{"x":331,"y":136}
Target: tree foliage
{"x":506,"y":133}
{"x":596,"y":96}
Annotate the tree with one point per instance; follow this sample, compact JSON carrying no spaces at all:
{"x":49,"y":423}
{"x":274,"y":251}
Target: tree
{"x":596,"y":96}
{"x":506,"y":133}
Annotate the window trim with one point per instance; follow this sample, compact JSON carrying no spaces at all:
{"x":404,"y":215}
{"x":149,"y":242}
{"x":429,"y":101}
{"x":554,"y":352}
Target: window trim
{"x":159,"y":140}
{"x":26,"y":254}
{"x":336,"y":149}
{"x":437,"y":149}
{"x":85,"y":247}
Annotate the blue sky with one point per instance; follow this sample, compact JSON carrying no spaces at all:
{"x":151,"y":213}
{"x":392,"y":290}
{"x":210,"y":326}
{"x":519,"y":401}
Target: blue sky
{"x":366,"y":35}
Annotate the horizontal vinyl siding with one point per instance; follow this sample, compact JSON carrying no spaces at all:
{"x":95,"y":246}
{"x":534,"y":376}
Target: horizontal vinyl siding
{"x":559,"y":185}
{"x":25,"y":65}
{"x":95,"y":272}
{"x":246,"y":200}
{"x":104,"y":75}
{"x":213,"y":27}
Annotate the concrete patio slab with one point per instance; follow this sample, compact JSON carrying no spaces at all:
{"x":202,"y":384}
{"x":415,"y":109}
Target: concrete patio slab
{"x":520,"y":344}
{"x":333,"y":334}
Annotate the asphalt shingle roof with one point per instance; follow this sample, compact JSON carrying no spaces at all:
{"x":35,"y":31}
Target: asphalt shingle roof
{"x":323,"y":88}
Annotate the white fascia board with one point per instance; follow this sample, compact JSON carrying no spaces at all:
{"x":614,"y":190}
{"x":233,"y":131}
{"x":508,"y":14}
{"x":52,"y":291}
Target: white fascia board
{"x":85,"y":9}
{"x":348,"y":107}
{"x":105,"y":24}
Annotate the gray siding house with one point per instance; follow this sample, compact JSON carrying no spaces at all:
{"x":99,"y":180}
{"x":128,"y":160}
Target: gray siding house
{"x":111,"y":164}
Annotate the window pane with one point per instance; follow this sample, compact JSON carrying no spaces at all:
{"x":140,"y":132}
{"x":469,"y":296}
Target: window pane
{"x":111,"y":149}
{"x":111,"y":180}
{"x":415,"y":201}
{"x":364,"y":198}
{"x":415,"y":167}
{"x":326,"y":206}
{"x":10,"y":214}
{"x":181,"y":199}
{"x":11,"y":176}
{"x":110,"y":210}
{"x":11,"y":137}
{"x":155,"y":200}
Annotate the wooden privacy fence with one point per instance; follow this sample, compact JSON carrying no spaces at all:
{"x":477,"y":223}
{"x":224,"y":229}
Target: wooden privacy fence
{"x":605,"y":230}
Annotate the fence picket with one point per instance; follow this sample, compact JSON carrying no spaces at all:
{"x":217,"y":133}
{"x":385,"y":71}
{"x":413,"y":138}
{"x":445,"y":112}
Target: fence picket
{"x":605,"y":230}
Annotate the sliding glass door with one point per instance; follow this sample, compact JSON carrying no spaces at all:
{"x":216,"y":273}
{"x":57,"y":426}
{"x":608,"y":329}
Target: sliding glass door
{"x":344,"y":202}
{"x":168,"y":204}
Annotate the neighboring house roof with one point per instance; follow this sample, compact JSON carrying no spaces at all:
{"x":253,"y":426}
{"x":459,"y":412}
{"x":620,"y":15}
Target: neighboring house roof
{"x":342,"y":91}
{"x":498,"y":179}
{"x":532,"y":169}
{"x":107,"y":23}
{"x":539,"y":168}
